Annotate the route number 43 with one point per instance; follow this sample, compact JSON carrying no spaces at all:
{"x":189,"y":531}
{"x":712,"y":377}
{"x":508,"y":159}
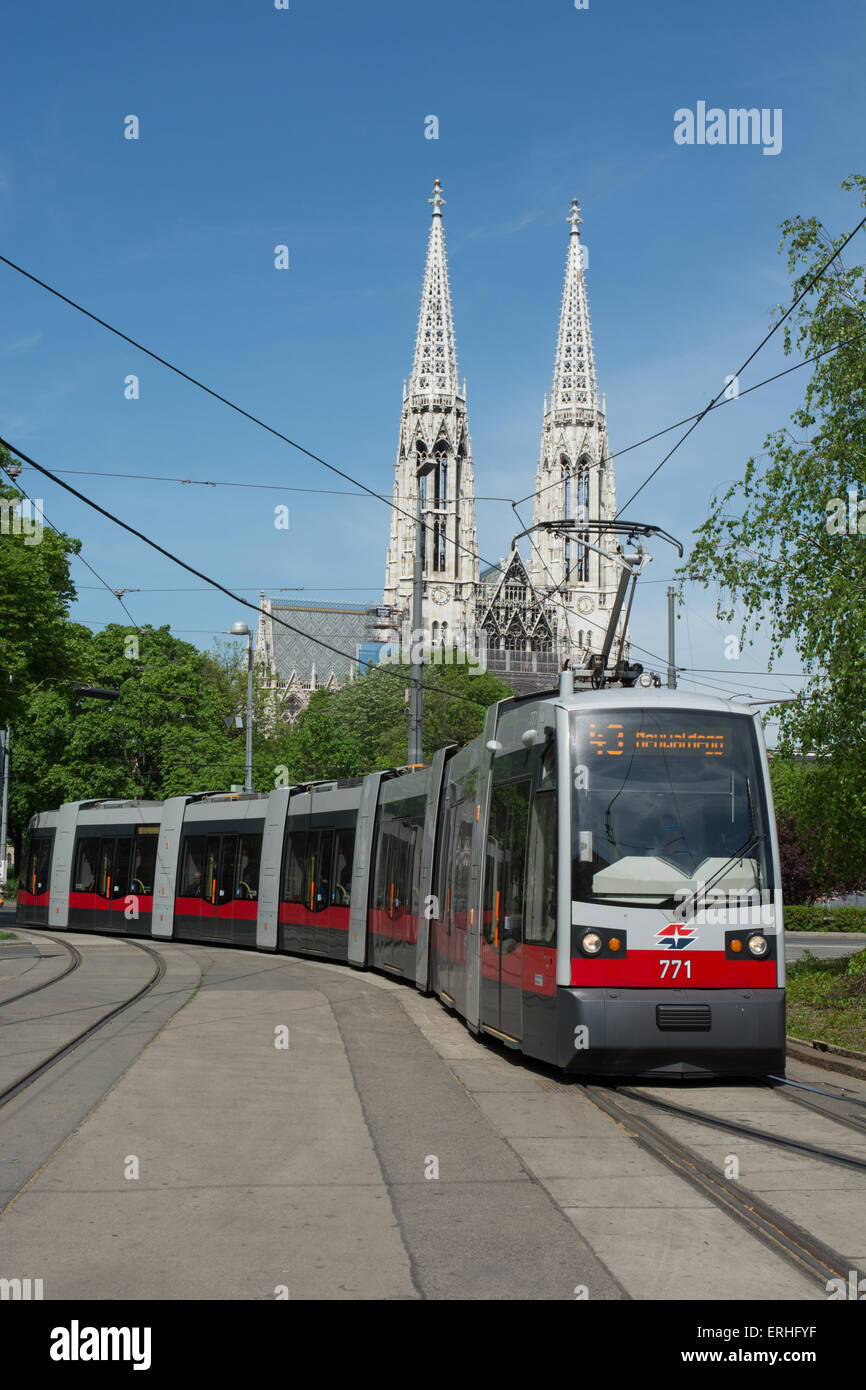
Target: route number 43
{"x":676,"y":962}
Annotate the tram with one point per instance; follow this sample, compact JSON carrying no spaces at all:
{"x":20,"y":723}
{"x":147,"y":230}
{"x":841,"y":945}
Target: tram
{"x":594,"y":880}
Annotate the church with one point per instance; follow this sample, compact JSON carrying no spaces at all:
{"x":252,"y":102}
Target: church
{"x":535,"y":609}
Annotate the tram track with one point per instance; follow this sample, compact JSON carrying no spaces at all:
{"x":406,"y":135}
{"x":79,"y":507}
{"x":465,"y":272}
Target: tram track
{"x":743,"y":1131}
{"x":75,"y":961}
{"x":762,"y":1219}
{"x":21,"y":1083}
{"x":855,"y":1122}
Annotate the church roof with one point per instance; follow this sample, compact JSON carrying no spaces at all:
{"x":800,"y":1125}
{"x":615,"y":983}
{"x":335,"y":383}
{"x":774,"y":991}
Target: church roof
{"x":343,"y":626}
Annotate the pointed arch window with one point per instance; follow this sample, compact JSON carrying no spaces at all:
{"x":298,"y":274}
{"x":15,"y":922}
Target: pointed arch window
{"x":438,"y":545}
{"x":565,"y":470}
{"x":583,"y":551}
{"x":439,"y":476}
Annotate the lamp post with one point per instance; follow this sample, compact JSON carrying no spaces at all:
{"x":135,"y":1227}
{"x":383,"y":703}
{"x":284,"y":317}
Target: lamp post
{"x":241,"y":630}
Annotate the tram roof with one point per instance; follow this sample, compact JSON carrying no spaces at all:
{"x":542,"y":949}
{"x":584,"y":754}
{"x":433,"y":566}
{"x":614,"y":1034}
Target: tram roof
{"x":619,"y":697}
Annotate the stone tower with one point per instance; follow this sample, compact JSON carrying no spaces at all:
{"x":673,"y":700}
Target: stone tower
{"x":575,"y":477}
{"x":434,"y":428}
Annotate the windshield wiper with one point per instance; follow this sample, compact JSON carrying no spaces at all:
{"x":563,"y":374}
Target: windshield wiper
{"x":720,"y":873}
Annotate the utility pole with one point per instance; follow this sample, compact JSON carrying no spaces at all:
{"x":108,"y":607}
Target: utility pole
{"x":241,"y":630}
{"x":416,"y":672}
{"x":672,"y":667}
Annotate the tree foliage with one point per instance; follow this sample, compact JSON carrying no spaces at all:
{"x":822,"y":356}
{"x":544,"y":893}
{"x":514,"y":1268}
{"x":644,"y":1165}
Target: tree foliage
{"x":36,"y":644}
{"x":771,"y":542}
{"x":165,"y":735}
{"x":821,"y":850}
{"x":365,"y":725}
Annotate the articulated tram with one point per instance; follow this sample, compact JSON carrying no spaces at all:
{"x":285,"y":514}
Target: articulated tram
{"x":594,"y":880}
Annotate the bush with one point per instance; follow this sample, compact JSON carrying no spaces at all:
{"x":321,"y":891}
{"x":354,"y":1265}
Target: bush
{"x":826,"y":999}
{"x":817,"y":917}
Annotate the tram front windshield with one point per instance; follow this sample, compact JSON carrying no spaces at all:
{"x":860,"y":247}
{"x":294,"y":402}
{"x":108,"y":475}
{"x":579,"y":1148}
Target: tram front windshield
{"x":665,"y":804}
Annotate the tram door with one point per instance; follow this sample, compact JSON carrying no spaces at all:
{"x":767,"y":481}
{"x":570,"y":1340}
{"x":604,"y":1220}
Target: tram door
{"x":457,"y":918}
{"x":320,"y":854}
{"x":121,"y":860}
{"x":216,"y":904}
{"x":503,"y":911}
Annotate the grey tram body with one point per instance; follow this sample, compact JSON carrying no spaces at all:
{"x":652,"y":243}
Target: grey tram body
{"x":439,"y":816}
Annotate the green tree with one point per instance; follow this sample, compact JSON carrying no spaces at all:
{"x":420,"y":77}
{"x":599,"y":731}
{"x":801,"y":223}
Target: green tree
{"x":164,"y":736}
{"x":36,"y":646}
{"x":773,"y":543}
{"x":365,"y":725}
{"x":832,"y":844}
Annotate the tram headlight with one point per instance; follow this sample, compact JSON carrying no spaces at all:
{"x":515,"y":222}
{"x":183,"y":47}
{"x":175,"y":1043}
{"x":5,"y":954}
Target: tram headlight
{"x":758,"y":945}
{"x":591,"y":943}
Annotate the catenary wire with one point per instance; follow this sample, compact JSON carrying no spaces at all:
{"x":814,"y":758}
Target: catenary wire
{"x":752,"y":355}
{"x":347,"y":477}
{"x":628,"y":448}
{"x":231,"y":404}
{"x":118,"y":594}
{"x":214,"y":583}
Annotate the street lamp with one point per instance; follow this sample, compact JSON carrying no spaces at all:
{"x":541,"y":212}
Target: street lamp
{"x":241,"y":630}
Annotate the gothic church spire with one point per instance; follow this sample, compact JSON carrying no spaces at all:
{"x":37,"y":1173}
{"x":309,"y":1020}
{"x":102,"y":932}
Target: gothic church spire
{"x":435,"y":365}
{"x":575,"y":477}
{"x":434,"y":428}
{"x":574,"y":383}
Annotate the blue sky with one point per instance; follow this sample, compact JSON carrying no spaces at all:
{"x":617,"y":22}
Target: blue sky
{"x":306,"y":127}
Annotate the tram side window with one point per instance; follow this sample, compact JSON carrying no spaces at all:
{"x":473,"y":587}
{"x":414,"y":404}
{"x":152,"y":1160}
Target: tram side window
{"x":38,"y":864}
{"x":86,"y":864}
{"x":211,"y":870}
{"x":43,"y":866}
{"x":249,"y":860}
{"x":462,"y":865}
{"x":227,"y":878}
{"x":541,"y":872}
{"x":496,"y":866}
{"x":518,"y":817}
{"x":192,"y":867}
{"x":506,"y":864}
{"x":446,"y":837}
{"x":30,"y":877}
{"x":144,"y":859}
{"x":103,"y":877}
{"x":384,"y":874}
{"x":121,"y":857}
{"x":393,"y":891}
{"x":341,"y":893}
{"x":321,"y":889}
{"x":294,"y":882}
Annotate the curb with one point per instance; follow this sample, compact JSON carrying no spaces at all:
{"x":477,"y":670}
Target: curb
{"x":827,"y":1056}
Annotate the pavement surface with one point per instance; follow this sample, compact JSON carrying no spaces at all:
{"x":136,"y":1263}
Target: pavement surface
{"x":825,"y":944}
{"x":267,"y":1127}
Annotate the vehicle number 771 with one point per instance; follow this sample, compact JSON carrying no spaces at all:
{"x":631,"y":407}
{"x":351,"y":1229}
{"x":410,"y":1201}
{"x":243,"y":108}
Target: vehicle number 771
{"x":676,"y":962}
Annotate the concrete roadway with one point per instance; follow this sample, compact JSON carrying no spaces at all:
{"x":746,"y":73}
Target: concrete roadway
{"x":819,"y":943}
{"x":311,"y":1171}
